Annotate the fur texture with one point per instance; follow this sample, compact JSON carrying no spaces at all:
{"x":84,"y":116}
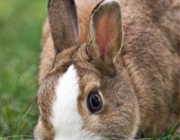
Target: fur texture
{"x":137,"y":72}
{"x":65,"y":119}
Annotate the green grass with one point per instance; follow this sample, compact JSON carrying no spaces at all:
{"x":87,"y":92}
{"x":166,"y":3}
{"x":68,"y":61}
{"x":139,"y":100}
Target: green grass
{"x":169,"y":135}
{"x":20,"y":32}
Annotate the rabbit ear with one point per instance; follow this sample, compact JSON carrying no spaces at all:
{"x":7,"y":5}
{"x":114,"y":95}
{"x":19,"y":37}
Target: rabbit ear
{"x":63,"y":23}
{"x":105,"y":32}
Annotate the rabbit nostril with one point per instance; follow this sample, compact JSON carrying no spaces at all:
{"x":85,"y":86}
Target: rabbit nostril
{"x":94,"y":101}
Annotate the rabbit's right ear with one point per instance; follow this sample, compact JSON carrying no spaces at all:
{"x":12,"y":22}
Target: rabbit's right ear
{"x":63,"y":23}
{"x":105,"y":35}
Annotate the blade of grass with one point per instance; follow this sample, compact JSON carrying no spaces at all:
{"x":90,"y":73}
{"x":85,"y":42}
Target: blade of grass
{"x":23,"y":118}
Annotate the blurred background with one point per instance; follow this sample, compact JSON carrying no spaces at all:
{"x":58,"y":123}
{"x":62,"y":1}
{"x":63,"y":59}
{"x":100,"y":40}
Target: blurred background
{"x":20,"y":32}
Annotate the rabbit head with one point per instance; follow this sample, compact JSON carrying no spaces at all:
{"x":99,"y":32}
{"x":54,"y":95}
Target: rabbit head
{"x":87,"y":95}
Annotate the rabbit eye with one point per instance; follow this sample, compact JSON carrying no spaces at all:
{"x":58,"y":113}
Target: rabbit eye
{"x":94,"y":101}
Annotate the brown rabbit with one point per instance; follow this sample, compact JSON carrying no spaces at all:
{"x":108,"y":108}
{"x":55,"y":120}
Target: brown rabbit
{"x":119,"y":76}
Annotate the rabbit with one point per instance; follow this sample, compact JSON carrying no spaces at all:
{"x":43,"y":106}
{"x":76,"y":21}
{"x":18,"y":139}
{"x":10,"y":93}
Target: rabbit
{"x":110,"y":71}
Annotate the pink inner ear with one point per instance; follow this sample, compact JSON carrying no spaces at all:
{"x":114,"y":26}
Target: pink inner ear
{"x":106,"y":34}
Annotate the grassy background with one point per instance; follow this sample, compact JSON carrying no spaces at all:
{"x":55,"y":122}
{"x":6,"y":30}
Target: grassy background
{"x":20,"y":32}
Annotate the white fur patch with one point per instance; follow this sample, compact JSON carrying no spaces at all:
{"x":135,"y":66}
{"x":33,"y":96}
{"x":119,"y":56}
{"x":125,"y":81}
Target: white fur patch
{"x":66,"y":119}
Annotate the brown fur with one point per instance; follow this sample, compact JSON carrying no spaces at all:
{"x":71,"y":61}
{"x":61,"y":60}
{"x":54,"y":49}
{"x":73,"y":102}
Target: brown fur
{"x":146,"y":72}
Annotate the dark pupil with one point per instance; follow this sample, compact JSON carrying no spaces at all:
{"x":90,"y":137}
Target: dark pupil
{"x":94,"y":102}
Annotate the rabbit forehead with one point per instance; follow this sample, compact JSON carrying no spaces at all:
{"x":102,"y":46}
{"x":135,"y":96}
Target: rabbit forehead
{"x":66,"y":120}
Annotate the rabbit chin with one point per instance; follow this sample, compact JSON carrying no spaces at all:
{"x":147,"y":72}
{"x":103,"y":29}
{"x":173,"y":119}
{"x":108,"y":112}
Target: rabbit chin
{"x":66,"y":120}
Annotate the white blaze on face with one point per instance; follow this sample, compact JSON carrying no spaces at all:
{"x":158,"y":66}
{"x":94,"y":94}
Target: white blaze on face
{"x":66,"y":119}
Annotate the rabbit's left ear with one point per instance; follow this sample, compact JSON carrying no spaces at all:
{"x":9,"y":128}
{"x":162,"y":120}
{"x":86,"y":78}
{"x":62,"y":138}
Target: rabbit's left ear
{"x":105,"y":32}
{"x":63,"y":23}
